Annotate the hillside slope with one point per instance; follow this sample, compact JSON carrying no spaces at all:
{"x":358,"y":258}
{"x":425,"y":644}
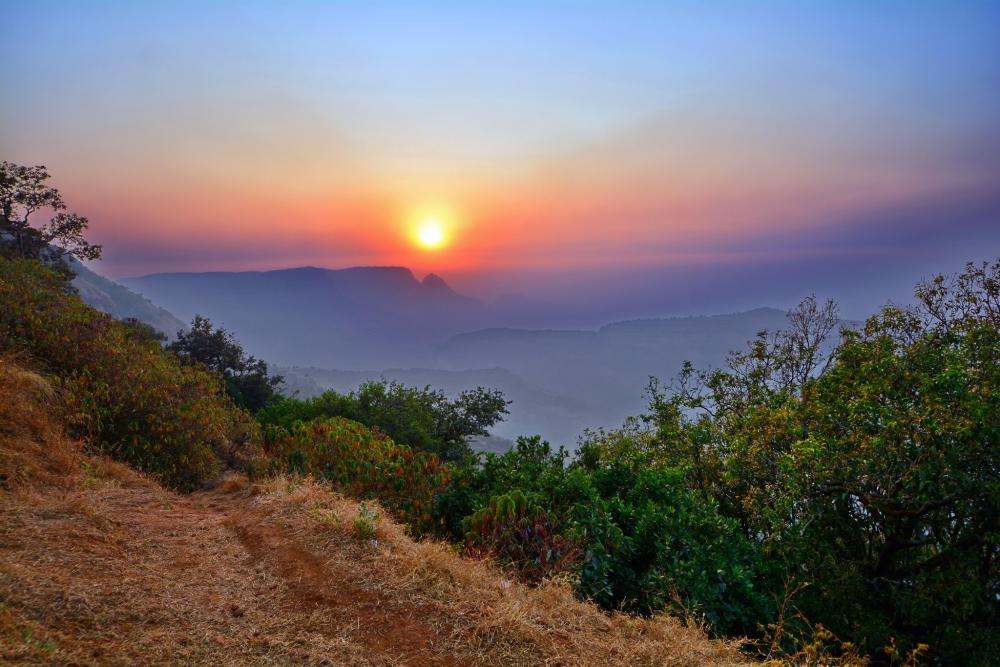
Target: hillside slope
{"x":101,"y":566}
{"x":120,"y":302}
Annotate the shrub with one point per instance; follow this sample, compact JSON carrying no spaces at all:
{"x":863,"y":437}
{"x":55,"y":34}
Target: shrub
{"x":136,"y":401}
{"x":365,"y":523}
{"x":515,"y":529}
{"x":422,"y":418}
{"x":363,"y":463}
{"x":670,"y":548}
{"x":631,"y":532}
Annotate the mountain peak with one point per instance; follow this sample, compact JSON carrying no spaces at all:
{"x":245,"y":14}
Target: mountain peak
{"x":435,"y":282}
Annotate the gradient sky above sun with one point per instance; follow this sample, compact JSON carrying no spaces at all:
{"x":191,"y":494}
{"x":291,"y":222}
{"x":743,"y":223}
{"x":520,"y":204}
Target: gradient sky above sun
{"x":559,"y":140}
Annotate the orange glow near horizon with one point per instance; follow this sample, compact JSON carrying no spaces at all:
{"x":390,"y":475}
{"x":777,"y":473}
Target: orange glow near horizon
{"x":196,"y":147}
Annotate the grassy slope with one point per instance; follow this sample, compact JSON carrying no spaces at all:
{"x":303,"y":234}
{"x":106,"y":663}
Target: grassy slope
{"x":99,"y":565}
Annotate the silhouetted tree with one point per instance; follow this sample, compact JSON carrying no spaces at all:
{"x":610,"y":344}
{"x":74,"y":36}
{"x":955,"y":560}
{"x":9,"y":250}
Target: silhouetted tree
{"x":247,"y":378}
{"x":23,"y":193}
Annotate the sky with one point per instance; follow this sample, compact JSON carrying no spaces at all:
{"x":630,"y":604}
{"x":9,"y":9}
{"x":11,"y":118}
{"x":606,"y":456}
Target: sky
{"x":658,"y":157}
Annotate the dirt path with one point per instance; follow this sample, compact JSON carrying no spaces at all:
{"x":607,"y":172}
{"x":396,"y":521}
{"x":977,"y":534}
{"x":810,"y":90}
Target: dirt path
{"x":142,"y":576}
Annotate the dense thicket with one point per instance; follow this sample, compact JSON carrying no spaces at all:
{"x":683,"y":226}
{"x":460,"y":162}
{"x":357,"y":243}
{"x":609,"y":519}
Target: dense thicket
{"x":362,"y":463}
{"x":423,"y":418}
{"x":634,"y":536}
{"x":136,"y":400}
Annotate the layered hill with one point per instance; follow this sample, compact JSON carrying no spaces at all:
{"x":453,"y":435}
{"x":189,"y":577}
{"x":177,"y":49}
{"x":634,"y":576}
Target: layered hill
{"x":562,"y":381}
{"x":332,"y":329}
{"x":121,"y":302}
{"x":348,"y":318}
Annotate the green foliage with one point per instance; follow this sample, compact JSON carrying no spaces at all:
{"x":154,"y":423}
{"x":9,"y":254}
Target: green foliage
{"x":634,"y":537}
{"x":425,"y":419}
{"x":672,"y":549}
{"x":516,"y":529}
{"x":247,"y":379}
{"x":531,"y":466}
{"x":874,"y":477}
{"x":897,"y":480}
{"x":363,"y":463}
{"x":136,"y":401}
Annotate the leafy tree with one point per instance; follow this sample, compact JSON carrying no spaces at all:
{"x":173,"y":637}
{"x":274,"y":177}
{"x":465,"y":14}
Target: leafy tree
{"x":872,"y":474}
{"x":23,"y":193}
{"x":896,"y":489}
{"x":969,"y":298}
{"x":247,"y":378}
{"x":423,"y":418}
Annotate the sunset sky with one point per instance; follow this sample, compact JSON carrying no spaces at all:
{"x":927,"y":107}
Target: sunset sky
{"x":769,"y":147}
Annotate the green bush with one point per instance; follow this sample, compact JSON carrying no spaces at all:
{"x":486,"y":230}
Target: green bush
{"x":422,"y":418}
{"x":136,"y":401}
{"x":363,"y":463}
{"x":518,"y":531}
{"x":671,"y":549}
{"x":633,"y":536}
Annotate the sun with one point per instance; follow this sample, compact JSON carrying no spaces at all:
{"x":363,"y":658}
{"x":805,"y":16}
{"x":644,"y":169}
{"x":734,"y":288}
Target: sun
{"x":430,"y":233}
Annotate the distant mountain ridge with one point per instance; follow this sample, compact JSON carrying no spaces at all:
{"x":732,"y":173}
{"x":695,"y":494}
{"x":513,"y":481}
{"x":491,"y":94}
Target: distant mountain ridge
{"x":354,"y":282}
{"x":355,"y":317}
{"x":606,"y":369}
{"x":369,"y":322}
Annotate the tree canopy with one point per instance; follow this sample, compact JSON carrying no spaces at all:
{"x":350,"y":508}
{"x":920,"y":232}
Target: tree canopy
{"x":874,"y":474}
{"x":423,"y":418}
{"x":247,"y":378}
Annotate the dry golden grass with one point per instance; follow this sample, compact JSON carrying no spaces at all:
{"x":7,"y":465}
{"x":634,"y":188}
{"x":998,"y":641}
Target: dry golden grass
{"x":33,"y":450}
{"x":100,"y":565}
{"x":481,"y":616}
